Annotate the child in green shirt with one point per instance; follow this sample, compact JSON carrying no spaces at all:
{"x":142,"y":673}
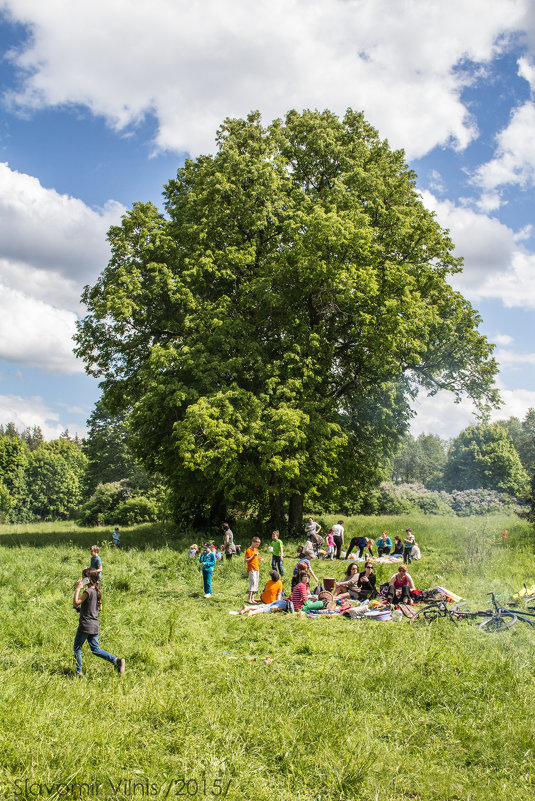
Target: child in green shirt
{"x":277,"y":557}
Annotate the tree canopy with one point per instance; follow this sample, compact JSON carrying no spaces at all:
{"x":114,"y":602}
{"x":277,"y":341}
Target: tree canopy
{"x":484,"y":457}
{"x":420,"y":460}
{"x":266,"y":334}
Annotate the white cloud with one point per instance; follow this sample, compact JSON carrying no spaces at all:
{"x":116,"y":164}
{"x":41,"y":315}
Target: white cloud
{"x":496,"y":264}
{"x":510,"y":358}
{"x":35,"y":334}
{"x":192,"y":64}
{"x":514,"y":161}
{"x":45,"y":231}
{"x":502,"y":339}
{"x":441,"y":415}
{"x":486,"y":244}
{"x":30,"y":412}
{"x":50,"y":245}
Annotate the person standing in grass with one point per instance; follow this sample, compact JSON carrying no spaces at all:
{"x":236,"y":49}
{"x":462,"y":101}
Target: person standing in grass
{"x":208,"y":561}
{"x":357,"y":542}
{"x":90,"y":604}
{"x":408,"y":542}
{"x":252,"y":560}
{"x":278,"y":554}
{"x":312,"y":528}
{"x":228,"y":544}
{"x":116,"y":537}
{"x":96,"y":561}
{"x":330,"y":545}
{"x":338,"y":533}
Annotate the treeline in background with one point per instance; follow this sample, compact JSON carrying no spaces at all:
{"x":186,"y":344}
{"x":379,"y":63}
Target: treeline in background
{"x":96,"y":481}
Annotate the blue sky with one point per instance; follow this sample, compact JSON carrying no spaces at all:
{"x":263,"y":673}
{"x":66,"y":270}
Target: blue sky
{"x":101,"y":102}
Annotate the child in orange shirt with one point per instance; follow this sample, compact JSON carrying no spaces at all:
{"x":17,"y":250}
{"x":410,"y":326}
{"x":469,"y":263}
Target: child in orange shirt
{"x":271,"y":597}
{"x":252,"y":560}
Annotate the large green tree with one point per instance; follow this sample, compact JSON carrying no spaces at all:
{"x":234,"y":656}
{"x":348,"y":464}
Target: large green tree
{"x":14,"y":456}
{"x":420,"y":460}
{"x":55,"y":474}
{"x":266,"y":335}
{"x":109,"y":458}
{"x":522,"y":434}
{"x":484,"y":457}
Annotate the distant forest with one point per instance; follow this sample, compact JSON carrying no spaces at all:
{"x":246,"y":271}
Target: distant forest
{"x":96,"y":480}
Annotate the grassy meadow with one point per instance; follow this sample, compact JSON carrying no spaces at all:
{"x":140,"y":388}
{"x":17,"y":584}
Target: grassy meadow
{"x":345,"y":711}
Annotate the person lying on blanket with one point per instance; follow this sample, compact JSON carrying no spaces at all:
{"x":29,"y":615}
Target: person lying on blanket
{"x":400,"y":587}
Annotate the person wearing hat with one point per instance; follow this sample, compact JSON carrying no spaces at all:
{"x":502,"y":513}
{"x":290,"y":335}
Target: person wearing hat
{"x":208,"y":562}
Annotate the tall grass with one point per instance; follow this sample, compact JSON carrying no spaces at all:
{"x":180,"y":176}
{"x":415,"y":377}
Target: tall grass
{"x":346,"y":709}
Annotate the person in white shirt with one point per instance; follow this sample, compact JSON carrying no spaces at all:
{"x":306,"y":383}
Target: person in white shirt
{"x":338,"y":533}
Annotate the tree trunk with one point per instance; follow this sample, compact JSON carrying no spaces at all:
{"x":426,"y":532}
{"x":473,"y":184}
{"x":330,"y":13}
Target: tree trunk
{"x":276,"y":520}
{"x":218,"y":510}
{"x":295,"y":514}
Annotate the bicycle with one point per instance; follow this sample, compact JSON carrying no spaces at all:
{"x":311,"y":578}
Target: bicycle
{"x":503,"y":618}
{"x":454,"y":613}
{"x":500,"y":620}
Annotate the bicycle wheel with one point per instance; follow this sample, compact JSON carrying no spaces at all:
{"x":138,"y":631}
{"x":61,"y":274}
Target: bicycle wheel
{"x":429,"y":614}
{"x":498,"y":622}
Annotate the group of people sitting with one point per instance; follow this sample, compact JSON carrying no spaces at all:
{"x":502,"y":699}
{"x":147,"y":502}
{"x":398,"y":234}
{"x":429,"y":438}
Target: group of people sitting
{"x":360,"y":586}
{"x":355,"y":585}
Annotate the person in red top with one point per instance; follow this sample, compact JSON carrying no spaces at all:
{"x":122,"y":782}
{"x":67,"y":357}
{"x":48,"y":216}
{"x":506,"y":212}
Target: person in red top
{"x":252,"y":560}
{"x":300,"y":593}
{"x":400,"y":586}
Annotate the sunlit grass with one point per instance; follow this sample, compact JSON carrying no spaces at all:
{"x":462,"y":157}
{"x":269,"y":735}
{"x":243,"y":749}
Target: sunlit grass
{"x":346,"y":709}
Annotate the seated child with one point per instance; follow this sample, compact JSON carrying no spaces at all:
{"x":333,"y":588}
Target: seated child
{"x":271,"y":597}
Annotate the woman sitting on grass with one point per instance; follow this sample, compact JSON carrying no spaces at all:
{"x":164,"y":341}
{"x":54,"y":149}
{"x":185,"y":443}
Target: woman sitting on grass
{"x":398,"y":547}
{"x":272,"y":600}
{"x":400,"y":586}
{"x":301,"y":591}
{"x":357,"y":586}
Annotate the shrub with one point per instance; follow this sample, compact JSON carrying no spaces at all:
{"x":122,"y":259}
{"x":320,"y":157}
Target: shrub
{"x":406,"y":498}
{"x":118,"y":503}
{"x":136,"y":510}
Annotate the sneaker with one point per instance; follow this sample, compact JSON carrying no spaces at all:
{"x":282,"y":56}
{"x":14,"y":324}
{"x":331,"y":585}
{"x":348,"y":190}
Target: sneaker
{"x":119,"y":666}
{"x":208,"y":595}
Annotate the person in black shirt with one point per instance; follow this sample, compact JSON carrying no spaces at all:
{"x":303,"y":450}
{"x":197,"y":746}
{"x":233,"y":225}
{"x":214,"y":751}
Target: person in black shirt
{"x":89,"y":604}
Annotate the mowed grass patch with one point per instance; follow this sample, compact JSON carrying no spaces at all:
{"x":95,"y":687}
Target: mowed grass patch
{"x":345,"y":709}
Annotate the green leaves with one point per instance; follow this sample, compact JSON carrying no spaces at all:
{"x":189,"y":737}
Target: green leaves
{"x":251,"y":332}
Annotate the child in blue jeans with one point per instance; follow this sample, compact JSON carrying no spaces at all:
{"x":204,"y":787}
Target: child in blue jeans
{"x":208,"y":561}
{"x":89,"y":604}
